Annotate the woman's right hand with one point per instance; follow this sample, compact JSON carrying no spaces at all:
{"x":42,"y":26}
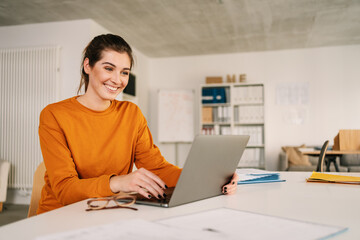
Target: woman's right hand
{"x":141,"y":181}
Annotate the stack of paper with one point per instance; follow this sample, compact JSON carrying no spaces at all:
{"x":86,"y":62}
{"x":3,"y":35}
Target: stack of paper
{"x":331,"y":178}
{"x":249,"y":176}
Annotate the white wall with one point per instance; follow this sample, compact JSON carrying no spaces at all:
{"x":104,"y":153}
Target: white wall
{"x":141,"y":71}
{"x":72,"y":36}
{"x":332,"y":74}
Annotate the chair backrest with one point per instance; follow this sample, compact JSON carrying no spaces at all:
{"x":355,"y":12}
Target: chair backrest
{"x":38,"y":184}
{"x":4,"y":174}
{"x":320,"y":166}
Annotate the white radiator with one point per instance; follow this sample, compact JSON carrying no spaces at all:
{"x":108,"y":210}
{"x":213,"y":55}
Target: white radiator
{"x":29,"y":79}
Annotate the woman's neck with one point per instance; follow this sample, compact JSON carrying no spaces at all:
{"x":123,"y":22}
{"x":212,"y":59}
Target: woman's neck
{"x":93,"y":104}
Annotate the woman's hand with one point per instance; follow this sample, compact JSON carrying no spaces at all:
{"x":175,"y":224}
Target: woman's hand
{"x":231,"y":187}
{"x":141,"y":181}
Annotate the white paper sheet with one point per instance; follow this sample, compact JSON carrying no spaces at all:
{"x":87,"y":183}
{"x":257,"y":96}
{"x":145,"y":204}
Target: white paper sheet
{"x":234,"y":224}
{"x":130,"y":230}
{"x":215,"y":224}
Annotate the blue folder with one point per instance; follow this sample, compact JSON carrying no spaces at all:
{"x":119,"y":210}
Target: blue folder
{"x":213,"y":95}
{"x":259,"y":178}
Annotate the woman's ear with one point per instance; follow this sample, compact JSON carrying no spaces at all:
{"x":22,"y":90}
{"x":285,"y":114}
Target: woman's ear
{"x":86,"y":66}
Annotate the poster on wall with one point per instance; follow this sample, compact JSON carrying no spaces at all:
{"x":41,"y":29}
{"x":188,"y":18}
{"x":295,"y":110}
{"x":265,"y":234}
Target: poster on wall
{"x":294,"y":98}
{"x":176,"y":116}
{"x":296,"y":93}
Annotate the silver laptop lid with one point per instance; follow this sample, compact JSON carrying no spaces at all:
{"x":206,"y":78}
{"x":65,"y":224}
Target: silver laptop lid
{"x":211,"y":162}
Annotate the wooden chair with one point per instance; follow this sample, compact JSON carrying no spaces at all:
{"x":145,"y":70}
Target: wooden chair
{"x":4,"y":174}
{"x":38,"y":184}
{"x":321,"y":162}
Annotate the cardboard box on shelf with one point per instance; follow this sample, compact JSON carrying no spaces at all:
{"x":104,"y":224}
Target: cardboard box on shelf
{"x":207,"y":114}
{"x":347,"y":139}
{"x":214,"y":80}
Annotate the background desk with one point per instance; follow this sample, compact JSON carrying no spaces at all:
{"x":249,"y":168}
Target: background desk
{"x":332,"y":204}
{"x":330,"y":152}
{"x":330,"y":156}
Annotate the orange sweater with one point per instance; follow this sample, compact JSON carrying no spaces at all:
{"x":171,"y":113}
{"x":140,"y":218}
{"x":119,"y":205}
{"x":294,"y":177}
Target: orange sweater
{"x":83,"y":148}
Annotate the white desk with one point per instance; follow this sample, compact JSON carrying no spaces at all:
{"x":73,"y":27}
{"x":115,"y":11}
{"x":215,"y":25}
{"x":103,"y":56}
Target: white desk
{"x":332,"y":204}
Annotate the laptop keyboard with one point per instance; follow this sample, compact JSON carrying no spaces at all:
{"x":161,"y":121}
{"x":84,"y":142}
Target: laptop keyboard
{"x":168,"y":193}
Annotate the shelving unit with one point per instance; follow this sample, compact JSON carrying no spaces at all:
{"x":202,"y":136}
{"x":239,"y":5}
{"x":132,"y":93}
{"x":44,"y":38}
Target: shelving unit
{"x":236,"y":109}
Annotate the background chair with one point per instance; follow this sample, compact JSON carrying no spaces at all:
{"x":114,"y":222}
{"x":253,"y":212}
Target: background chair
{"x":320,"y":166}
{"x":38,"y":184}
{"x":4,"y":174}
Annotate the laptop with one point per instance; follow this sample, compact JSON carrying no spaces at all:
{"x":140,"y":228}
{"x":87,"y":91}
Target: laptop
{"x":210,"y":164}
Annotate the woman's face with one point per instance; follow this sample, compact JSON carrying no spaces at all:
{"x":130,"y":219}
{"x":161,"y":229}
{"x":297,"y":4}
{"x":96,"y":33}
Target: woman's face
{"x":109,"y":76}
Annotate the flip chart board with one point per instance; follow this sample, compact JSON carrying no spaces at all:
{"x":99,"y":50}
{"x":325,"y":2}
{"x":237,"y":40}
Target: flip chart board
{"x":176,"y":116}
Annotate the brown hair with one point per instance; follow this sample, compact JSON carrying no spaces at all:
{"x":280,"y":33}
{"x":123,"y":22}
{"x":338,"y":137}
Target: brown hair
{"x":95,"y":48}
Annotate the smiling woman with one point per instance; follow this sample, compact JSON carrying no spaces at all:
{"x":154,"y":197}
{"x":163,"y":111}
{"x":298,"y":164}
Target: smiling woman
{"x":91,"y":142}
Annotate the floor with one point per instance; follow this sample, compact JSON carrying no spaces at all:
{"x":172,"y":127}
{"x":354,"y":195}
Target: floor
{"x":12,"y":213}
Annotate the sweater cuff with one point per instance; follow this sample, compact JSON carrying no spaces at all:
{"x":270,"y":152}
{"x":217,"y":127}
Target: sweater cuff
{"x":104,"y":186}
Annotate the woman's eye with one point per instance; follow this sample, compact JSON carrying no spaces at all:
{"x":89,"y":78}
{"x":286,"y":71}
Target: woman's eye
{"x":108,"y":69}
{"x":125,"y":73}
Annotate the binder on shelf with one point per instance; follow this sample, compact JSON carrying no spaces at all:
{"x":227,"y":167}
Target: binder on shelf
{"x":216,"y":130}
{"x":220,"y":114}
{"x":220,"y":95}
{"x":255,"y":133}
{"x":207,"y":95}
{"x":248,"y":95}
{"x":227,"y":95}
{"x":259,"y":96}
{"x":236,"y":114}
{"x":225,"y":130}
{"x":207,"y":131}
{"x":215,"y":114}
{"x":228,"y":114}
{"x":250,"y":114}
{"x":255,"y":94}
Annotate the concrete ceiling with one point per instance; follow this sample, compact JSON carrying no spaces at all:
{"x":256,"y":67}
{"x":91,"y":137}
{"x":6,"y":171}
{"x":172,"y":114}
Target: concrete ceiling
{"x":166,"y":28}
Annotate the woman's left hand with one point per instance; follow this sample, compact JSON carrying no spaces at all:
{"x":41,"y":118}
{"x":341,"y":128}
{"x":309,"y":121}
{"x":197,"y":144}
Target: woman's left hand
{"x":231,"y":187}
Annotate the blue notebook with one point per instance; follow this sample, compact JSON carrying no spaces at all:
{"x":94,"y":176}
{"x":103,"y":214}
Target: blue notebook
{"x":259,"y":178}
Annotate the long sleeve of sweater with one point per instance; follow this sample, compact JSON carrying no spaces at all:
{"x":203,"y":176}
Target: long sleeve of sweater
{"x":82,"y":149}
